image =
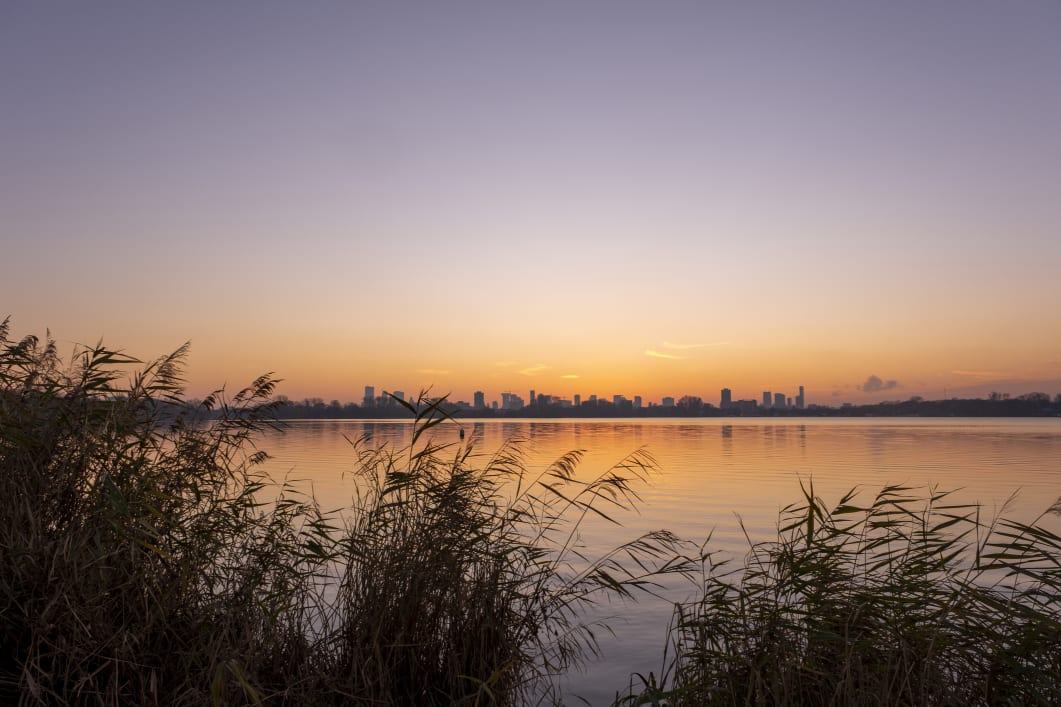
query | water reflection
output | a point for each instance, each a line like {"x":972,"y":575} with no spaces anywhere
{"x":711,"y":469}
{"x":714,"y":471}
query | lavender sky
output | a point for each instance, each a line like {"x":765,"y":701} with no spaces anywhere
{"x":595,"y":198}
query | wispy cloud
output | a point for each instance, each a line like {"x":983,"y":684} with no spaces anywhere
{"x":534,"y":370}
{"x":874,"y":384}
{"x":433,"y":371}
{"x":570,"y":376}
{"x":652,"y":353}
{"x":675,"y":346}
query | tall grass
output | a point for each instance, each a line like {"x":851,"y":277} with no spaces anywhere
{"x":147,"y":560}
{"x":910,"y":599}
{"x":139,"y":566}
{"x":473,"y":572}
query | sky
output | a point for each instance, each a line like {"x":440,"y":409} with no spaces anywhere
{"x":643,"y":198}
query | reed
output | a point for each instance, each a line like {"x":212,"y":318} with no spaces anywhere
{"x":140,"y":566}
{"x":147,"y":559}
{"x":910,"y":599}
{"x":473,"y":572}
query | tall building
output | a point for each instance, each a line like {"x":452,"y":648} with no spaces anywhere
{"x":578,"y":399}
{"x":801,"y":401}
{"x":370,"y":396}
{"x":727,"y":398}
{"x":480,"y":400}
{"x":668,"y":402}
{"x":400,"y":394}
{"x":637,"y":402}
{"x":779,"y":400}
{"x":531,"y":399}
{"x":511,"y":401}
{"x":766,"y":399}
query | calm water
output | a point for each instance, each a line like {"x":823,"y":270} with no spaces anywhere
{"x":713,"y":471}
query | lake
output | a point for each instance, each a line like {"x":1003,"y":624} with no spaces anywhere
{"x":712,"y":472}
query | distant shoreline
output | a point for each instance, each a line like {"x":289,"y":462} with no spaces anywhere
{"x":1032,"y":405}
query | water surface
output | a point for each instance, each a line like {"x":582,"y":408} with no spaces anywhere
{"x":715,"y":475}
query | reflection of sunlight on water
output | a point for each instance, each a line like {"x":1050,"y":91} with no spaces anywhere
{"x":710,"y":472}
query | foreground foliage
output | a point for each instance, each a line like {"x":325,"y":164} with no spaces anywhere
{"x":148,"y":561}
{"x":907,"y":600}
{"x":139,"y":565}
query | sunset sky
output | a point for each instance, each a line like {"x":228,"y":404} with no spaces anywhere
{"x":645,"y":198}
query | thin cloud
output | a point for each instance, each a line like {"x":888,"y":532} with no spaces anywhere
{"x":570,"y":376}
{"x":659,"y":354}
{"x":534,"y":370}
{"x":874,"y":384}
{"x":982,"y":374}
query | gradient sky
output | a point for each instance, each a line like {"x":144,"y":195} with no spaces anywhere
{"x":638,"y":198}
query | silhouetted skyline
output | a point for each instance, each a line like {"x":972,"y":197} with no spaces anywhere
{"x":1036,"y":404}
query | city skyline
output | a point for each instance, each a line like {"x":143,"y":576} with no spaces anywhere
{"x":509,"y":400}
{"x":771,"y":400}
{"x":607,"y":196}
{"x":541,"y":405}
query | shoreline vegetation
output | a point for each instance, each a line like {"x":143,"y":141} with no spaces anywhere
{"x":147,"y":560}
{"x":1027,"y":405}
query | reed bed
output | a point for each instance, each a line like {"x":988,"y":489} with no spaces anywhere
{"x":908,"y":599}
{"x":148,"y":561}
